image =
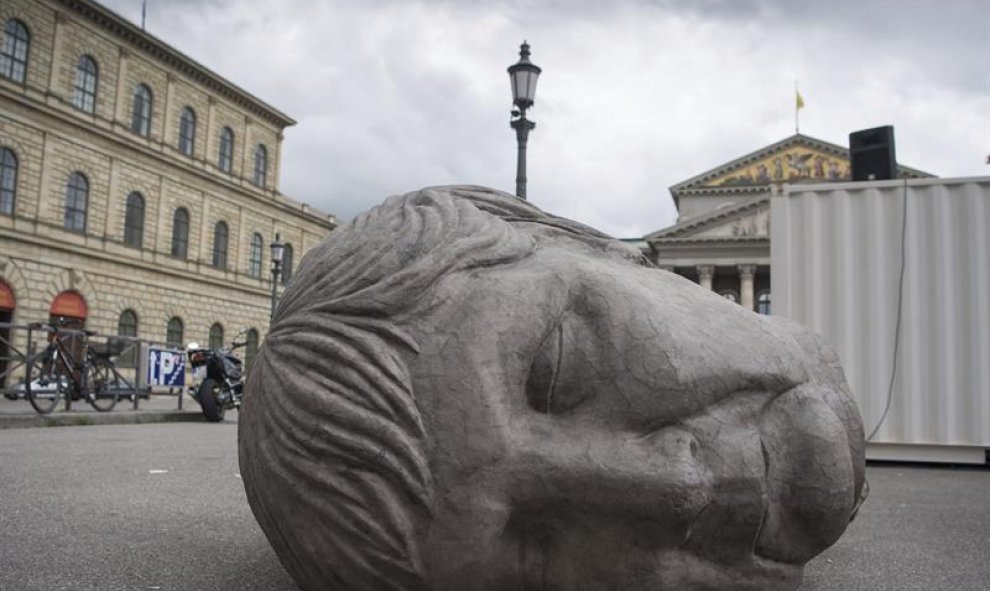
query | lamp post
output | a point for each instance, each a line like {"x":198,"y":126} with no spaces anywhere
{"x":278,"y":249}
{"x":523,"y":75}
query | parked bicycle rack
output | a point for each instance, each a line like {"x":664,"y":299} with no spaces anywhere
{"x":157,"y":368}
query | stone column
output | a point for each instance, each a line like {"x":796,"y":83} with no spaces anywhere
{"x":746,"y":273}
{"x":120,"y":100}
{"x":167,"y":112}
{"x":277,"y":164}
{"x":705,"y":274}
{"x":247,"y":154}
{"x":211,"y":145}
{"x":53,"y":81}
{"x":112,"y":195}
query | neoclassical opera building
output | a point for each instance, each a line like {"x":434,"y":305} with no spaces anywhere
{"x":722,"y":236}
{"x":138,"y":189}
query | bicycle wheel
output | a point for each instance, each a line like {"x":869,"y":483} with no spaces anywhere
{"x":102,"y":391}
{"x":45,"y":383}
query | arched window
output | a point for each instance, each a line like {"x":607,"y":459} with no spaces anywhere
{"x":87,"y":76}
{"x":14,"y":51}
{"x":763,"y":303}
{"x":254,"y":255}
{"x":173,"y":332}
{"x":216,"y":336}
{"x":127,"y":326}
{"x":134,"y":220}
{"x":251,"y":348}
{"x":260,"y":165}
{"x":225,"y":159}
{"x":180,"y":233}
{"x":187,"y":131}
{"x":141,"y":115}
{"x":286,"y":264}
{"x":8,"y":181}
{"x":220,"y":245}
{"x":76,"y":196}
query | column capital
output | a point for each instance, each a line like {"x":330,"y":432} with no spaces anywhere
{"x":706,"y":271}
{"x":747,"y":271}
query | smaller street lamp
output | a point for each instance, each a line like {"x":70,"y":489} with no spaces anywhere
{"x":278,"y":249}
{"x":523,"y":75}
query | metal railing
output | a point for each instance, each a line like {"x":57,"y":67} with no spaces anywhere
{"x":20,"y":342}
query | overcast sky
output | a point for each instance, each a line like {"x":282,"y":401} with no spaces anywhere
{"x":635,"y":96}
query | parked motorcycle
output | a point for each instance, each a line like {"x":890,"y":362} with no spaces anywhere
{"x":222,"y":385}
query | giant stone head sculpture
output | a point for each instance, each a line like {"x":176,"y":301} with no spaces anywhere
{"x":462,"y":392}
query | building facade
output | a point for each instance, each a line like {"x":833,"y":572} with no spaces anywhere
{"x":138,"y":189}
{"x":722,"y":236}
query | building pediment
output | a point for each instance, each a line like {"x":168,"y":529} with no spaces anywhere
{"x":744,"y":220}
{"x":796,"y":159}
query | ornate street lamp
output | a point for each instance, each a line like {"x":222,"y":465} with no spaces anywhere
{"x":278,"y":249}
{"x":523,"y":75}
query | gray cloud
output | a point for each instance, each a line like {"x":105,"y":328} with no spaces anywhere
{"x":635,"y":96}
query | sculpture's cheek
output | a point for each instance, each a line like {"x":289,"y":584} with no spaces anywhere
{"x":811,"y":483}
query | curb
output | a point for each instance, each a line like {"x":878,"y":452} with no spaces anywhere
{"x":72,"y":419}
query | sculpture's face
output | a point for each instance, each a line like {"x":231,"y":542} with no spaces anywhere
{"x":598,"y":425}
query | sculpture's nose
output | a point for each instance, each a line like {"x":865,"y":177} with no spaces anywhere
{"x":812,"y":488}
{"x":717,"y":349}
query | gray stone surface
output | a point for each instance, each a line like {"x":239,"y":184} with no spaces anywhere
{"x":460,"y":391}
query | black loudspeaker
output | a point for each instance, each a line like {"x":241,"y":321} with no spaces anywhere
{"x":871,"y":154}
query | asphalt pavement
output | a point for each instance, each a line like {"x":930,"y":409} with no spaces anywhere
{"x":162,"y":507}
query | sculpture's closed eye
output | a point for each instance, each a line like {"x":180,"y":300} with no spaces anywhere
{"x":561,"y":376}
{"x":543,"y":373}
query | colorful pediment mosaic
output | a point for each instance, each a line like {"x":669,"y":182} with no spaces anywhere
{"x":794,"y":164}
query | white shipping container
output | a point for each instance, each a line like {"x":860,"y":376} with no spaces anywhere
{"x":837,"y":256}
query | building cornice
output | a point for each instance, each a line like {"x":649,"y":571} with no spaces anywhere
{"x":710,"y":218}
{"x":712,"y":240}
{"x":176,"y":60}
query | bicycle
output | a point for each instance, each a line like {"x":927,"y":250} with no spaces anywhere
{"x":55,"y":372}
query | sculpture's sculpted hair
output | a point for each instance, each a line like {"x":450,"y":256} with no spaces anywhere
{"x":334,"y":422}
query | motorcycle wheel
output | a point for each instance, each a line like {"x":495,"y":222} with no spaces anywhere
{"x":209,"y":394}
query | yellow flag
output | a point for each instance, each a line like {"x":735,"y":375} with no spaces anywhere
{"x":799,"y":100}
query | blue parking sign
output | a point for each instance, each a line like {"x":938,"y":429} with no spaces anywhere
{"x":166,"y":367}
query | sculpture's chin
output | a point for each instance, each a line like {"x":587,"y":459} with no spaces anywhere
{"x":811,"y":481}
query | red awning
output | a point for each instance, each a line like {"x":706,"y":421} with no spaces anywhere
{"x":69,"y":304}
{"x":6,"y":297}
